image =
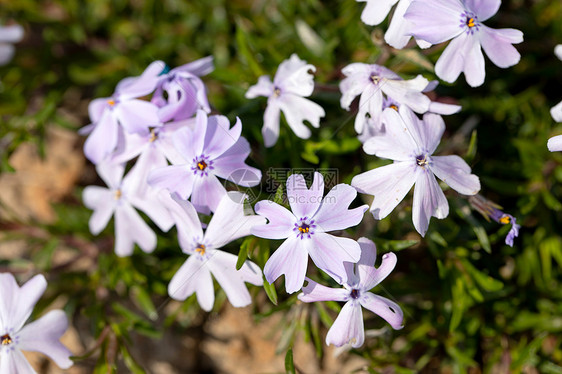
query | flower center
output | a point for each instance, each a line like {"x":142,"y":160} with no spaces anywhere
{"x":505,"y":219}
{"x":276,"y":92}
{"x":111,"y":102}
{"x":6,"y":340}
{"x":375,"y":78}
{"x":117,"y":194}
{"x":422,"y":160}
{"x":469,"y":21}
{"x":153,"y":136}
{"x":304,"y":228}
{"x":202,"y":165}
{"x":354,"y":293}
{"x":201,"y":249}
{"x":394,"y":107}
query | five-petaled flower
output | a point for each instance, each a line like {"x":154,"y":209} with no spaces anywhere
{"x":411,"y":142}
{"x":212,"y":149}
{"x":437,"y":21}
{"x":292,"y":83}
{"x":42,"y":335}
{"x":305,"y":229}
{"x":359,"y":279}
{"x":205,"y":257}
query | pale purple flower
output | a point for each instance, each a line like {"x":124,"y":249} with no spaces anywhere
{"x":381,"y":88}
{"x":185,"y":91}
{"x":360,"y":278}
{"x":493,"y":211}
{"x":122,"y":112}
{"x":8,"y":36}
{"x":411,"y":142}
{"x":212,"y":149}
{"x":158,"y":143}
{"x":120,"y":200}
{"x":205,"y":257}
{"x":292,"y":83}
{"x":437,"y":21}
{"x":397,"y":34}
{"x":41,"y":335}
{"x":305,"y":229}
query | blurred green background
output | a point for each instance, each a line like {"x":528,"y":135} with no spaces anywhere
{"x":471,"y":303}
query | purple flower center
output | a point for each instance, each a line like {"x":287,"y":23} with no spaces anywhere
{"x":354,"y":293}
{"x":469,"y":21}
{"x":202,"y":165}
{"x":304,"y":228}
{"x":422,"y":160}
{"x":6,"y":339}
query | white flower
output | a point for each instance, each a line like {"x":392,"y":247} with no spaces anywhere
{"x":42,"y":335}
{"x":9,"y":35}
{"x":292,"y":83}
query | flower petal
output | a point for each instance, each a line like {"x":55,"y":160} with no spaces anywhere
{"x":474,"y":64}
{"x":15,"y":362}
{"x":142,"y":85}
{"x":184,"y":281}
{"x":297,"y":110}
{"x":555,"y":143}
{"x":271,"y":119}
{"x":389,"y":184}
{"x":397,"y":34}
{"x":435,"y":21}
{"x":207,"y":193}
{"x":348,"y":327}
{"x":11,"y":34}
{"x":280,"y":221}
{"x":454,"y":171}
{"x":452,"y":60}
{"x":329,"y":253}
{"x":16,"y":304}
{"x":316,"y":292}
{"x":556,"y":112}
{"x":408,"y":92}
{"x":102,"y":200}
{"x":136,"y":116}
{"x":103,"y":138}
{"x":376,"y":11}
{"x":264,"y":87}
{"x":223,"y":267}
{"x":334,"y":213}
{"x":370,"y":276}
{"x":498,"y":45}
{"x":219,"y":136}
{"x":429,"y":201}
{"x":384,"y":308}
{"x":291,"y":259}
{"x":484,"y":9}
{"x":229,"y":221}
{"x":305,"y":202}
{"x":293,"y":77}
{"x":130,"y":228}
{"x":175,"y":178}
{"x":43,"y":336}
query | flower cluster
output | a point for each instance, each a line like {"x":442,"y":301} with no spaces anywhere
{"x":180,"y":153}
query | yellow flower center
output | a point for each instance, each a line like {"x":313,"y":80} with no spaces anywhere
{"x":117,"y":195}
{"x":6,"y":340}
{"x":201,"y":249}
{"x":153,"y":136}
{"x":202,"y":165}
{"x":304,"y":228}
{"x":505,"y":219}
{"x":394,"y":107}
{"x":470,"y":22}
{"x":111,"y":102}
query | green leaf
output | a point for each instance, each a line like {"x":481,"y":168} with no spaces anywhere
{"x":243,"y":254}
{"x":289,"y":364}
{"x":394,"y":245}
{"x":130,"y":362}
{"x":142,"y":299}
{"x":270,"y":291}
